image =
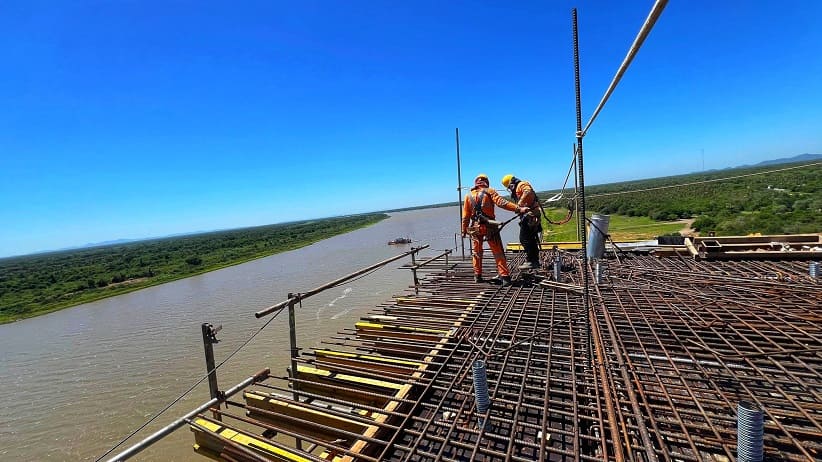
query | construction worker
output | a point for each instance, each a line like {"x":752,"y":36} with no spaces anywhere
{"x":530,"y":223}
{"x":478,"y":209}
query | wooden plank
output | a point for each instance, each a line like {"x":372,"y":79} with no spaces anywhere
{"x":285,"y":407}
{"x":691,"y":248}
{"x":378,"y":363}
{"x":361,"y":445}
{"x":317,"y":378}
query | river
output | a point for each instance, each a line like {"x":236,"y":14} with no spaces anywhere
{"x":75,"y":382}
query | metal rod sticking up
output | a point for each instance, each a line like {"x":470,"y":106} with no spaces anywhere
{"x":459,"y":192}
{"x":581,"y":185}
{"x":159,"y":434}
{"x":656,"y":11}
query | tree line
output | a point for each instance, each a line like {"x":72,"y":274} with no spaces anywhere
{"x":35,"y":284}
{"x":776,"y":202}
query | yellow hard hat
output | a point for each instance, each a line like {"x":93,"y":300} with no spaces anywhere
{"x":506,"y":180}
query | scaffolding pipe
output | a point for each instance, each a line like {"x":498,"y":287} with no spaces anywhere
{"x":581,"y":199}
{"x":302,"y":296}
{"x":168,"y":429}
{"x":459,"y":192}
{"x":656,"y":12}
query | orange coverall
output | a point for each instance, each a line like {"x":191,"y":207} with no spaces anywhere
{"x":488,"y":199}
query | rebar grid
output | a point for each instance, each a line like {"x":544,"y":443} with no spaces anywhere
{"x":676,"y":344}
{"x":696,"y":339}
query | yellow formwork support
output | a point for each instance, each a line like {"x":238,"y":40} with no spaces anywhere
{"x":204,"y":440}
{"x":285,"y":408}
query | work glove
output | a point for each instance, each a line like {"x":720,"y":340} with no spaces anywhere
{"x":523,"y":210}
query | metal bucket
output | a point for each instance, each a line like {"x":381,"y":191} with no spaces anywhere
{"x":749,"y":432}
{"x":598,"y":232}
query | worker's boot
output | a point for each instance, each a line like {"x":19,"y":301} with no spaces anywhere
{"x":478,"y":278}
{"x":506,"y":281}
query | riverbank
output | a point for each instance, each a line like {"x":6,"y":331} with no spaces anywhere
{"x":38,"y":284}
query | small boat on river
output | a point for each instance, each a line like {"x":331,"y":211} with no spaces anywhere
{"x":400,"y":240}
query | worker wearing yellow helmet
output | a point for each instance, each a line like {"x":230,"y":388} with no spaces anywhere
{"x":478,"y":221}
{"x":530,"y":223}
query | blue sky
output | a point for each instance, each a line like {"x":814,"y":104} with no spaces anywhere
{"x":132,"y":119}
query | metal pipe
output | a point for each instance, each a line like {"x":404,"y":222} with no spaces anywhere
{"x":599,"y":233}
{"x":459,"y":192}
{"x":292,"y":339}
{"x":168,"y":429}
{"x":434,"y":258}
{"x":209,"y":339}
{"x":656,"y":12}
{"x":304,"y":295}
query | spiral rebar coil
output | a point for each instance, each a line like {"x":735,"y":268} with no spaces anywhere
{"x":749,"y":432}
{"x":481,"y":390}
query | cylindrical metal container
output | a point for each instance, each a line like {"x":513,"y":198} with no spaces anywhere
{"x":813,"y":269}
{"x":598,"y":232}
{"x":749,"y":432}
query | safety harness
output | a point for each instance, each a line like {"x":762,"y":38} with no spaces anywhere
{"x":479,"y":216}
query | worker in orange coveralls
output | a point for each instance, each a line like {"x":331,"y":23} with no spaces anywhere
{"x":478,"y":209}
{"x":530,"y":223}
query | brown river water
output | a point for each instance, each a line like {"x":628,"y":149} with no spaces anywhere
{"x":75,"y":382}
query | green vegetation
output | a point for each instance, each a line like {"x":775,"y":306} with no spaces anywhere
{"x":36,"y":284}
{"x":777,"y":202}
{"x":782,"y":202}
{"x":621,"y":228}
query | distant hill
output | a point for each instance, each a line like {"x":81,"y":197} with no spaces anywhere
{"x":790,"y":160}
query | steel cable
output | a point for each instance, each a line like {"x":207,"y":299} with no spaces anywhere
{"x":176,"y":400}
{"x":656,"y":11}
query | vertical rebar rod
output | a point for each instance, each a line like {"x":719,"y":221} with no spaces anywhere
{"x":581,"y":186}
{"x":292,"y":337}
{"x":576,"y":194}
{"x":459,"y":192}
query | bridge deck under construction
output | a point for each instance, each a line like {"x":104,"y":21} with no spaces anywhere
{"x":654,"y":372}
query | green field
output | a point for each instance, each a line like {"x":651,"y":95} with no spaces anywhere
{"x":36,"y":284}
{"x":621,"y":228}
{"x":773,"y":199}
